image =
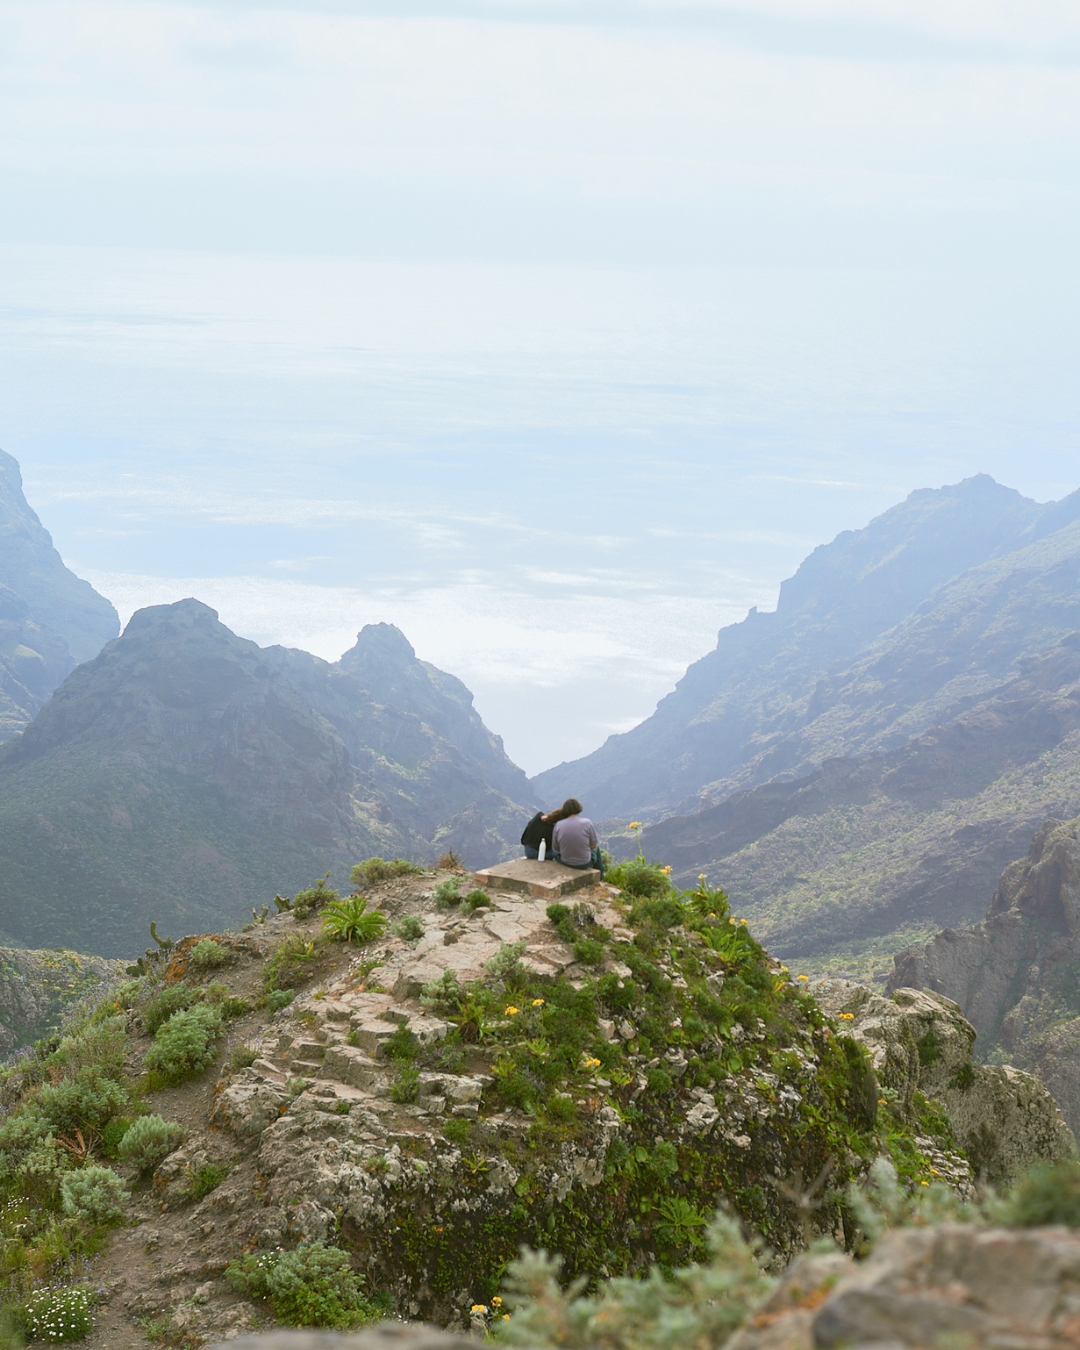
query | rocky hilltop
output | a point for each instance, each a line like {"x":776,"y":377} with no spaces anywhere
{"x":50,"y":619}
{"x":1017,"y":973}
{"x":185,"y":774}
{"x":37,"y":986}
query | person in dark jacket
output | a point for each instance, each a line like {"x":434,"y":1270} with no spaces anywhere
{"x":539,"y":828}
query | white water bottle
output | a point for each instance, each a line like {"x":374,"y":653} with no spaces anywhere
{"x":541,"y":852}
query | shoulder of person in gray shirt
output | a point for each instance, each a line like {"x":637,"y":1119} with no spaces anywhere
{"x":575,"y":838}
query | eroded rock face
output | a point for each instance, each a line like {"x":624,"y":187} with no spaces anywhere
{"x":1004,"y":1119}
{"x":36,"y":986}
{"x":1016,"y":975}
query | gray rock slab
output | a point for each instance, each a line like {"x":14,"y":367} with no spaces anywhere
{"x":546,"y":880}
{"x":391,"y":1336}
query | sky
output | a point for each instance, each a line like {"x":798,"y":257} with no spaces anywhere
{"x":555,"y":333}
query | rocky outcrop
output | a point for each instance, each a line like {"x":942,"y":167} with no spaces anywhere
{"x":186,"y":774}
{"x":50,"y":619}
{"x":36,"y":987}
{"x":920,"y":1043}
{"x":1016,"y":975}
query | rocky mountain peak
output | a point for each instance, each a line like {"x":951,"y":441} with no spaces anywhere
{"x":49,"y":618}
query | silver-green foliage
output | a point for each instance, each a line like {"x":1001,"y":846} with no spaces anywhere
{"x":95,"y":1194}
{"x":208,"y":954}
{"x":185,"y":1044}
{"x":148,"y":1140}
{"x":696,"y":1305}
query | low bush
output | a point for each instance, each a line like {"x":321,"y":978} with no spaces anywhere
{"x":351,"y":921}
{"x":306,"y":903}
{"x":448,"y":893}
{"x":87,"y":1101}
{"x":58,"y":1314}
{"x":1047,"y":1194}
{"x":410,"y":927}
{"x":695,"y":1305}
{"x":209,"y":954}
{"x":477,"y":898}
{"x":289,"y":962}
{"x":207,"y":1178}
{"x":94,"y":1194}
{"x":160,"y":1006}
{"x":639,"y":877}
{"x":242,"y":1056}
{"x":186,"y":1044}
{"x":277,"y":999}
{"x":374,"y":870}
{"x":148,"y":1140}
{"x":312,"y":1286}
{"x":406,"y":1084}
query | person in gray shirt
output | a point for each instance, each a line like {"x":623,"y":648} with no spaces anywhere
{"x":575,"y":840}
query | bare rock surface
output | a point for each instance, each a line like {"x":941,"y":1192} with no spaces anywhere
{"x":1016,"y":975}
{"x":1006,"y":1120}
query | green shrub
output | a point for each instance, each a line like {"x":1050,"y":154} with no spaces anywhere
{"x":374,"y":870}
{"x":306,"y":903}
{"x":443,"y":995}
{"x":60,"y":1314}
{"x":206,"y":1179}
{"x":312,"y":1286}
{"x":242,"y":1056}
{"x":697,"y":1305}
{"x":640,"y":878}
{"x":98,"y":1044}
{"x":448,"y":893}
{"x":662,"y":910}
{"x":406,"y":1084}
{"x":458,"y":1132}
{"x":186,"y":1044}
{"x":288,"y":964}
{"x":476,"y":899}
{"x":209,"y":954}
{"x":351,"y":921}
{"x":161,"y":1006}
{"x":88,"y":1101}
{"x":148,"y":1140}
{"x":410,"y":927}
{"x":93,"y":1194}
{"x":277,"y":999}
{"x":1047,"y":1194}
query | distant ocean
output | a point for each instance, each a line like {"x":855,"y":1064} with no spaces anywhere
{"x":558,"y":481}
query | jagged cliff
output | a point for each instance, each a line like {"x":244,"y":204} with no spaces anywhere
{"x":186,"y":773}
{"x":1016,"y":974}
{"x":50,"y":619}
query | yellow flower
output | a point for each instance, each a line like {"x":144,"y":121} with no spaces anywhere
{"x":538,"y":1002}
{"x":935,"y":1171}
{"x":635,"y":825}
{"x":924,"y":1183}
{"x":882,"y":1102}
{"x":783,"y":970}
{"x":511,"y":1011}
{"x":592,"y":1063}
{"x":744,"y":920}
{"x":667,"y":869}
{"x":506,"y":1317}
{"x":496,"y":1301}
{"x":802,"y":977}
{"x":478,"y":1308}
{"x":847,"y":1017}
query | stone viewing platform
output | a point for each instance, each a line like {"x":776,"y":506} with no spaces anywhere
{"x":546,"y":880}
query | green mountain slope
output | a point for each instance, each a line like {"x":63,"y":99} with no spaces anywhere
{"x":848,"y":662}
{"x":186,"y":775}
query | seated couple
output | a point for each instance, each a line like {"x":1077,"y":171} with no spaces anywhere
{"x":568,"y":837}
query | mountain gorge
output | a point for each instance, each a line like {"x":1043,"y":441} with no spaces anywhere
{"x":50,"y":619}
{"x":858,"y":767}
{"x":186,"y":774}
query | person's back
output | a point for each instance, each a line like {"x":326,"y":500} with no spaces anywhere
{"x":574,"y":839}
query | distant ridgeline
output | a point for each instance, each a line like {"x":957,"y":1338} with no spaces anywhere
{"x":186,"y":774}
{"x":49,"y":619}
{"x":859,"y":766}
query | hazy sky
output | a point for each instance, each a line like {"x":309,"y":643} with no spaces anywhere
{"x":555,"y":333}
